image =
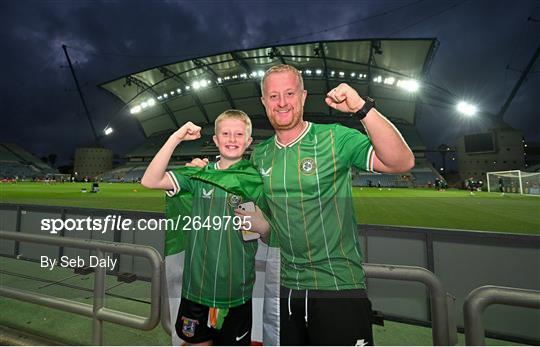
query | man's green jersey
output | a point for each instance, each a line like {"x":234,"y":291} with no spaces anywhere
{"x":219,"y":268}
{"x":309,"y":188}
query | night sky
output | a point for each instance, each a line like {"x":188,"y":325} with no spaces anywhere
{"x":484,"y":46}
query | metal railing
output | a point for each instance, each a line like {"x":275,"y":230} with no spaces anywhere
{"x":480,"y":298}
{"x":439,"y":310}
{"x":97,"y":311}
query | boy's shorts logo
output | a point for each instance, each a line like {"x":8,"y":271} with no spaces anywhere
{"x":188,"y":326}
{"x":234,"y":200}
{"x":307,"y":166}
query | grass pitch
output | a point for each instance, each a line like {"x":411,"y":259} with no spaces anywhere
{"x":454,"y":209}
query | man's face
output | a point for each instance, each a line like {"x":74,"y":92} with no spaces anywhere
{"x":283,"y":99}
{"x":231,"y":139}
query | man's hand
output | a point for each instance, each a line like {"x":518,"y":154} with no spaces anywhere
{"x":198,"y":162}
{"x":344,"y":98}
{"x":187,"y":132}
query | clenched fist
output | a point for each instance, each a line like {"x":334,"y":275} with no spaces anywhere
{"x":187,"y":132}
{"x":344,"y":98}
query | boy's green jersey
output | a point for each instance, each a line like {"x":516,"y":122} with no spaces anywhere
{"x":219,"y":267}
{"x":309,"y":189}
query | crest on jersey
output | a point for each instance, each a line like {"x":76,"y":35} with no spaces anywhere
{"x":207,"y":194}
{"x":266,"y":173}
{"x":188,"y":326}
{"x":307,"y":166}
{"x":234,"y":200}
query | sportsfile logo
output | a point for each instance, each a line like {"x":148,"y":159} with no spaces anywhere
{"x":110,"y":222}
{"x":113,"y":222}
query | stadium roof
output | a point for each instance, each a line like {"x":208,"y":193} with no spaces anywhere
{"x":199,"y":89}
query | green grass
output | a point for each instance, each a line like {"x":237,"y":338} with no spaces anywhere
{"x":454,"y":209}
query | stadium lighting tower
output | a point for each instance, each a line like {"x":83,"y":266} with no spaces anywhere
{"x":466,"y":108}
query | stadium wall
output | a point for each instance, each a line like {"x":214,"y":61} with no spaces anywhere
{"x":462,"y":260}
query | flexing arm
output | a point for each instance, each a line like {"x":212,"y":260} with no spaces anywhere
{"x":154,"y":176}
{"x":391,"y":152}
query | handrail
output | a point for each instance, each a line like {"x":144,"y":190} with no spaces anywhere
{"x":439,"y":310}
{"x":97,"y":311}
{"x":481,"y":297}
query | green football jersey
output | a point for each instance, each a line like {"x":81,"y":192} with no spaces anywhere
{"x":219,"y":267}
{"x":309,"y":191}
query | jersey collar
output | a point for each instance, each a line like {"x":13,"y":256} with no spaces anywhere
{"x":295,"y":141}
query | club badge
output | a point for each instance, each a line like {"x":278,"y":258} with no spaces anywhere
{"x":188,"y":326}
{"x":234,"y":200}
{"x":307,"y":166}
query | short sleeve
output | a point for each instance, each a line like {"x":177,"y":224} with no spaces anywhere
{"x":354,"y":148}
{"x":179,"y":182}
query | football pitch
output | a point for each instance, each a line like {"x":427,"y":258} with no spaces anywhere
{"x":453,"y":209}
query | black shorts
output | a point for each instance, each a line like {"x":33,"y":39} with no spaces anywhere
{"x":326,"y":318}
{"x":191,"y":324}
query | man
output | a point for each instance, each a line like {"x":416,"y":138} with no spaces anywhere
{"x":306,"y":170}
{"x":219,"y":269}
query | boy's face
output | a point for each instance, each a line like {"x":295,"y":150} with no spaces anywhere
{"x":231,"y":139}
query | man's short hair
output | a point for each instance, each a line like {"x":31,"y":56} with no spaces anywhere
{"x":282,"y":68}
{"x":234,"y":114}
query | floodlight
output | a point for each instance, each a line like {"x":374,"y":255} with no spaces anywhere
{"x":260,"y":73}
{"x":341,"y":74}
{"x":408,"y":85}
{"x":389,"y":80}
{"x":196,"y":85}
{"x":179,"y":90}
{"x":188,"y":87}
{"x":159,"y":97}
{"x":108,"y":130}
{"x":135,"y":109}
{"x":466,"y":108}
{"x":308,"y":72}
{"x":318,"y":71}
{"x":243,"y":75}
{"x":332,"y":73}
{"x":203,"y":83}
{"x":377,"y":79}
{"x":219,"y":80}
{"x":172,"y":92}
{"x":353,"y":74}
{"x":144,"y":104}
{"x":151,"y":102}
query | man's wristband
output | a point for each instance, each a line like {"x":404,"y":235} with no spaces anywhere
{"x":368,"y":105}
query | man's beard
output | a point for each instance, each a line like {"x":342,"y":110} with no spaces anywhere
{"x":295,"y":120}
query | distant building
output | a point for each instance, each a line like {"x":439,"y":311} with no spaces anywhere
{"x":91,"y":162}
{"x":496,"y":150}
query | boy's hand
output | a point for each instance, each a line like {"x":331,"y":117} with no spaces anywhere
{"x":198,"y":162}
{"x":259,"y":224}
{"x":187,"y":132}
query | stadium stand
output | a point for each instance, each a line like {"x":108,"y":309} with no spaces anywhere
{"x":16,"y":162}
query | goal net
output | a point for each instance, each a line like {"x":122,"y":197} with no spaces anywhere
{"x":514,"y":181}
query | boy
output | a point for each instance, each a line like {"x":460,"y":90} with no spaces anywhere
{"x":219,"y":268}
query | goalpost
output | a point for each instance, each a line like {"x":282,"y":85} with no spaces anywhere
{"x":514,"y":181}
